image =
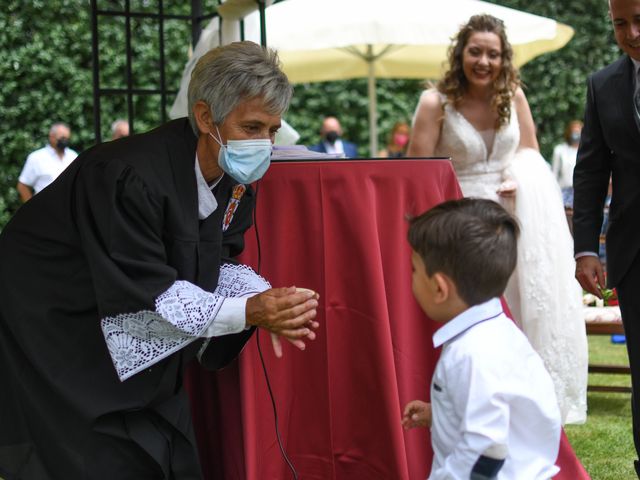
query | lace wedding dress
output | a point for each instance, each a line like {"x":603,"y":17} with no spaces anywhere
{"x":543,"y":295}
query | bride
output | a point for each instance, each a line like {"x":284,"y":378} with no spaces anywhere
{"x":479,"y":116}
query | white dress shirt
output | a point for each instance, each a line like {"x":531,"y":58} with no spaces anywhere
{"x":335,"y":147}
{"x":563,"y":162}
{"x":636,"y":87}
{"x":43,"y":166}
{"x":491,"y":392}
{"x":231,"y":316}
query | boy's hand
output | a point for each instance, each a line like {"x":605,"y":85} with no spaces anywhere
{"x":416,"y":414}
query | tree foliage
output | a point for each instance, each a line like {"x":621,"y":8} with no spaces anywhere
{"x":555,"y":83}
{"x":46,"y":76}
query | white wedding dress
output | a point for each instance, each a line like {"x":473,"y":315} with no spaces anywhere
{"x":543,"y":295}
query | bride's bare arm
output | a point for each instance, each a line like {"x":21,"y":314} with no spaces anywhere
{"x":426,"y":126}
{"x":525,"y":119}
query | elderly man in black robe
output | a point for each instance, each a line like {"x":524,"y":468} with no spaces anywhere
{"x":120,"y":272}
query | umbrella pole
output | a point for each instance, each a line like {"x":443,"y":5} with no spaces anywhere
{"x":373,"y":105}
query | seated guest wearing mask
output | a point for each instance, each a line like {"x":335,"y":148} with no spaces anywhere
{"x":398,"y":141}
{"x":332,"y":142}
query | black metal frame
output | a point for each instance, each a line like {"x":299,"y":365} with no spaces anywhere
{"x":196,"y":18}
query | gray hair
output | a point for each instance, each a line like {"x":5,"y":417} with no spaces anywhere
{"x":54,"y":128}
{"x":117,"y":123}
{"x":230,"y":74}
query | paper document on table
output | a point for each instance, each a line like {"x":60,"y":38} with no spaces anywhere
{"x":300,"y":152}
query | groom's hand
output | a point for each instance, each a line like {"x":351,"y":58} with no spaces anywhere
{"x":590,"y":274}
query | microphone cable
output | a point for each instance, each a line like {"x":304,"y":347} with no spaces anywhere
{"x":264,"y":367}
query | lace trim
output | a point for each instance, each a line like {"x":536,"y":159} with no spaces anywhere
{"x":138,"y":340}
{"x":469,"y":154}
{"x":240,"y":281}
{"x":237,"y":281}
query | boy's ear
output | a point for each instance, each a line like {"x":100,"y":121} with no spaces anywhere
{"x":443,"y":287}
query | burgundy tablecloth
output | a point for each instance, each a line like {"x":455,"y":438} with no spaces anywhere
{"x":337,"y":227}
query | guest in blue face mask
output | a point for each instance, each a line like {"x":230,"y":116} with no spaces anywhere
{"x":121,"y":272}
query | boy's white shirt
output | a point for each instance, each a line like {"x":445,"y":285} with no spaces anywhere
{"x":490,"y":388}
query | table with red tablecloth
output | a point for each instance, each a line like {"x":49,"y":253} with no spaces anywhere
{"x":339,"y":228}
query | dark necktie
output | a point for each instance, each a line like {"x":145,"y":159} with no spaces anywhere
{"x":636,"y":97}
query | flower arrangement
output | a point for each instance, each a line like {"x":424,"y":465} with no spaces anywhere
{"x":609,"y":298}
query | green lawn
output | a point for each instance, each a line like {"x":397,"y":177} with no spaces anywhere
{"x":604,"y":444}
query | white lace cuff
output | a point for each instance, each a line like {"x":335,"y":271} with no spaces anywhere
{"x":240,"y":281}
{"x":237,"y":283}
{"x":138,"y":340}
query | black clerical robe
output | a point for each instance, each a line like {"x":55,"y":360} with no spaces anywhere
{"x":113,"y":232}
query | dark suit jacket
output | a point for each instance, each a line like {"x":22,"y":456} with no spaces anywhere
{"x":610,"y":145}
{"x":350,"y":149}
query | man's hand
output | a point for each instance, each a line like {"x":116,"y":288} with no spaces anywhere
{"x":590,"y":275}
{"x":285,"y":312}
{"x":416,"y":414}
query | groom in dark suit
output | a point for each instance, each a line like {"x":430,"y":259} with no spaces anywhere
{"x":610,"y":147}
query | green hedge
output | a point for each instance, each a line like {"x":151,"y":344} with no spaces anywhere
{"x":45,"y":76}
{"x":556,"y":82}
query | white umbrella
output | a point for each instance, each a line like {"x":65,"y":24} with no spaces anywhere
{"x":321,"y":40}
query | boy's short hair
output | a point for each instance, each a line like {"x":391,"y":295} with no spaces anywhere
{"x":473,"y":241}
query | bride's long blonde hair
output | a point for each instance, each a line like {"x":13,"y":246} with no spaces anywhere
{"x":454,"y":84}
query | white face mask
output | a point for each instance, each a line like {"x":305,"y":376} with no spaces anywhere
{"x":244,"y":160}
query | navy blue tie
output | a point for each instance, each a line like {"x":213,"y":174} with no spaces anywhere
{"x":636,"y":97}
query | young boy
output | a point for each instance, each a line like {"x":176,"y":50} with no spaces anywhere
{"x":493,"y":410}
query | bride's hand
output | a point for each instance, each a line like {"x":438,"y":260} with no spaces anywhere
{"x":507,"y":189}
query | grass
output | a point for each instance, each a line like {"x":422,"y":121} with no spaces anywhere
{"x":604,"y":444}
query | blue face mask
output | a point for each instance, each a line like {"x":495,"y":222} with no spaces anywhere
{"x":574,"y":137}
{"x":244,"y":160}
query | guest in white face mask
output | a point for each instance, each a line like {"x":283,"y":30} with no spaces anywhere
{"x":564,"y":161}
{"x":121,"y":272}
